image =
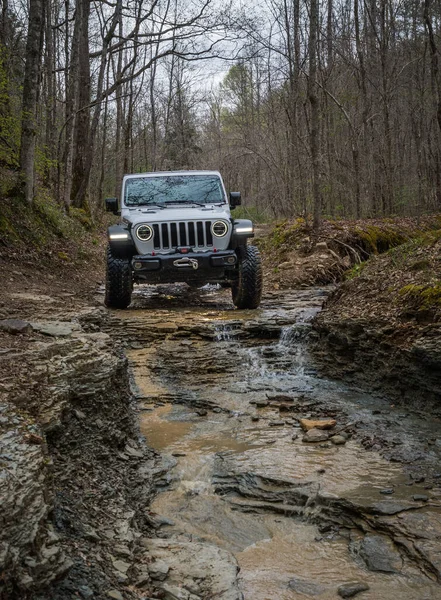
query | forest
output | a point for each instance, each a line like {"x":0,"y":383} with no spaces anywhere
{"x":310,"y":108}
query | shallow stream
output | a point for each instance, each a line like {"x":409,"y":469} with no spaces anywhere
{"x":220,"y":393}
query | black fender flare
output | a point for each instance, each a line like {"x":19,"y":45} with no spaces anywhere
{"x":120,"y":241}
{"x":242,"y":230}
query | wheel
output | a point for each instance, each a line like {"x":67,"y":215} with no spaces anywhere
{"x":247,"y":289}
{"x":119,"y":281}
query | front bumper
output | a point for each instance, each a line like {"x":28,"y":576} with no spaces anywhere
{"x":182,"y":267}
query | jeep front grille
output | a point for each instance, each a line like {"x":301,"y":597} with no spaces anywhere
{"x":196,"y":234}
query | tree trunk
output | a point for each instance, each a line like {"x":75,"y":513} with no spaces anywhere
{"x":81,"y":137}
{"x":31,"y":86}
{"x":314,"y":131}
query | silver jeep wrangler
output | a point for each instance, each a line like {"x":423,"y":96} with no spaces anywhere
{"x":177,"y":227}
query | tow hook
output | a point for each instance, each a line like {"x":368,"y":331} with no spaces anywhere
{"x":186,"y":262}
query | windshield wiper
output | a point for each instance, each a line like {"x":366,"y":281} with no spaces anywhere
{"x":147,"y":204}
{"x":184,"y":202}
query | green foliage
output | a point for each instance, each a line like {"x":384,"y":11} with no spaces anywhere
{"x":43,"y":164}
{"x":81,"y":215}
{"x":356,"y":271}
{"x":38,"y":225}
{"x":10,"y":126}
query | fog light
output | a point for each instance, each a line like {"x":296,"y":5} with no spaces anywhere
{"x":137,"y":265}
{"x":231,"y":260}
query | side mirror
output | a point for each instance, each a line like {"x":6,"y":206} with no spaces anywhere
{"x":235,"y":199}
{"x":112,"y":205}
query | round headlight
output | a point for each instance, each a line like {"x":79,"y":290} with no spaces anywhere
{"x":219,"y":228}
{"x":144,"y":233}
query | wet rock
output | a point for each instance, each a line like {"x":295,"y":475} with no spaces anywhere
{"x":420,"y":498}
{"x":387,"y":491}
{"x":338,"y":440}
{"x":315,"y":435}
{"x":15,"y":326}
{"x":417,"y":478}
{"x":206,"y":570}
{"x":308,"y":588}
{"x":308,"y":424}
{"x":349,"y":590}
{"x":378,"y":553}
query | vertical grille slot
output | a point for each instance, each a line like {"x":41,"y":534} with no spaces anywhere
{"x":208,"y":234}
{"x":156,"y":240}
{"x":191,"y":236}
{"x":182,"y":234}
{"x":165,"y":236}
{"x":200,"y":233}
{"x":174,"y":235}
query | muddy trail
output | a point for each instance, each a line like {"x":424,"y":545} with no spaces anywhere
{"x":248,"y":504}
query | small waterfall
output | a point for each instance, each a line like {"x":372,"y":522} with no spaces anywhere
{"x":293,"y":340}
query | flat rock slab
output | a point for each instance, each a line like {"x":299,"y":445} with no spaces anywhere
{"x":208,"y":571}
{"x":15,"y":326}
{"x":307,"y":424}
{"x":56,"y":328}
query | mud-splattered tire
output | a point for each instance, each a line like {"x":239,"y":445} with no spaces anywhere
{"x":119,"y":281}
{"x":247,"y":290}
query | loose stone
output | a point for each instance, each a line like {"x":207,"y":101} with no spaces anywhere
{"x":349,"y":590}
{"x":276,"y":423}
{"x":15,"y":326}
{"x":420,"y":498}
{"x":338,"y":440}
{"x":387,"y":491}
{"x":315,"y":435}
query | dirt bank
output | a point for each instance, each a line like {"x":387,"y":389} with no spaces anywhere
{"x":384,"y":323}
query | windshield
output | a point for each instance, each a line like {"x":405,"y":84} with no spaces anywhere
{"x":169,"y":189}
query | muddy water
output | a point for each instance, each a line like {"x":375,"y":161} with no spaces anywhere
{"x":220,"y":391}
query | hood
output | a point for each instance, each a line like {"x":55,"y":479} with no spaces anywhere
{"x":178,"y":213}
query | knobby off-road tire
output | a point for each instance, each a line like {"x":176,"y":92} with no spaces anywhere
{"x":247,"y":290}
{"x":119,"y":282}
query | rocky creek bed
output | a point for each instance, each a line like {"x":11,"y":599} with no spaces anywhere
{"x":158,"y":453}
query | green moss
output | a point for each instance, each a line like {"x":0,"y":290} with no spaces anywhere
{"x":422,"y":296}
{"x":377,"y":240}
